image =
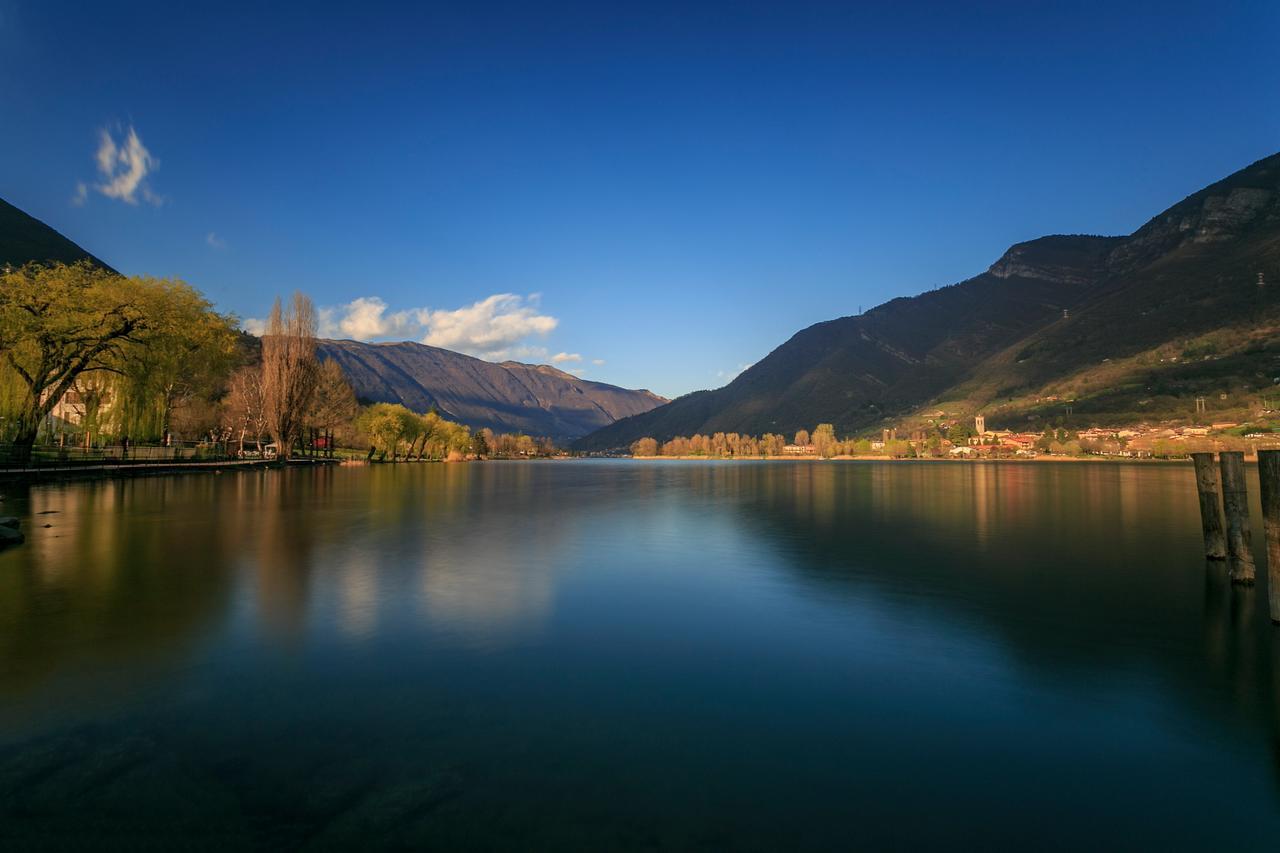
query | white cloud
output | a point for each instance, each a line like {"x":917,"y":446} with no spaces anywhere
{"x":215,"y":241}
{"x":366,"y":319}
{"x":253,"y":325}
{"x":489,"y":328}
{"x":82,"y":193}
{"x":598,"y":362}
{"x":499,"y":327}
{"x":124,"y":167}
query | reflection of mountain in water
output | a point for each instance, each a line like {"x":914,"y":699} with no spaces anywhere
{"x":484,"y":655}
{"x":1083,"y":572}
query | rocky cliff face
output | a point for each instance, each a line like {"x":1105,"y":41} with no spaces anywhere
{"x":1065,"y":259}
{"x":1227,"y":210}
{"x":508,"y":397}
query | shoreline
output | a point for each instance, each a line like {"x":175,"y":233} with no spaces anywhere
{"x":1027,"y":460}
{"x":69,"y":473}
{"x":55,"y":473}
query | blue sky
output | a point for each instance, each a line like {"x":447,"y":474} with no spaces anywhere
{"x":666,"y":191}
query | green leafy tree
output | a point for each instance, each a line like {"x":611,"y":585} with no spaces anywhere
{"x":388,"y":425}
{"x":189,"y":352}
{"x":62,"y":324}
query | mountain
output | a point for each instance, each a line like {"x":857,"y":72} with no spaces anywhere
{"x":508,"y":397}
{"x":24,"y":238}
{"x":1121,"y":328}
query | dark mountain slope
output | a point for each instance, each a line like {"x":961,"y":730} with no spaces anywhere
{"x":507,"y":397}
{"x":855,"y":370}
{"x":1184,"y":286}
{"x":24,"y":238}
{"x":1001,"y":338}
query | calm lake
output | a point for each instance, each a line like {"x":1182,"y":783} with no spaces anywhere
{"x":633,"y":655}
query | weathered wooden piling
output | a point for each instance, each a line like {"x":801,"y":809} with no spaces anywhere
{"x":1210,"y":491}
{"x":1235,"y":503}
{"x":1269,"y":474}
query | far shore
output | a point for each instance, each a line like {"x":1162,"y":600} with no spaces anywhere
{"x":874,"y":458}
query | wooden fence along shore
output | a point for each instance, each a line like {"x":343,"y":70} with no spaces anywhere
{"x":1223,"y":491}
{"x":52,"y":462}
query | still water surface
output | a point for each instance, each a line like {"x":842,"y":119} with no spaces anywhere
{"x":633,"y":655}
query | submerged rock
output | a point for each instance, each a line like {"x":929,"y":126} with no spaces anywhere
{"x":10,"y":534}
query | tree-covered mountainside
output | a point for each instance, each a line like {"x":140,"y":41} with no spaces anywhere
{"x":24,"y":238}
{"x":1103,"y":328}
{"x":508,"y":397}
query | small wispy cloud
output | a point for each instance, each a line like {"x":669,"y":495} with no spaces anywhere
{"x":215,"y":241}
{"x":733,"y":374}
{"x":124,"y":165}
{"x":598,"y":362}
{"x":563,"y":357}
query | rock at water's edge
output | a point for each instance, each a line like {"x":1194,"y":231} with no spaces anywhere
{"x":9,"y":532}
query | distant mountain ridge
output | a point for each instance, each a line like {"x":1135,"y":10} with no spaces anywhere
{"x":1105,"y":322}
{"x":23,"y":238}
{"x":505,"y":397}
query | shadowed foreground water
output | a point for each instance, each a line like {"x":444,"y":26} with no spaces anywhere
{"x":599,"y":655}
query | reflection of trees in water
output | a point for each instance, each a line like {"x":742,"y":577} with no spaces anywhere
{"x":473,"y":548}
{"x":280,"y":534}
{"x":490,"y":542}
{"x":122,"y":578}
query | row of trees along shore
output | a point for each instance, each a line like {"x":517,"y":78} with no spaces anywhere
{"x":821,"y":442}
{"x":100,"y":358}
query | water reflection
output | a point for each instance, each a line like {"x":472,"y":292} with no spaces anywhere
{"x":99,"y":587}
{"x":605,"y":654}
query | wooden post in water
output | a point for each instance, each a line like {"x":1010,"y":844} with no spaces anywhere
{"x":1210,"y":491}
{"x":1235,"y":501}
{"x":1269,"y":474}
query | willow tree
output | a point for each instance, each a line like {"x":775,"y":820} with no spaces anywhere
{"x":289,"y":370}
{"x":389,"y":425}
{"x":126,"y":343}
{"x":57,"y":323}
{"x":189,"y":353}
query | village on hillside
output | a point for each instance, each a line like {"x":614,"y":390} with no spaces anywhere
{"x":954,"y":438}
{"x":1140,"y":441}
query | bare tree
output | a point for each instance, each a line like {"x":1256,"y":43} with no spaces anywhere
{"x":334,"y":404}
{"x":289,"y":370}
{"x":245,"y":407}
